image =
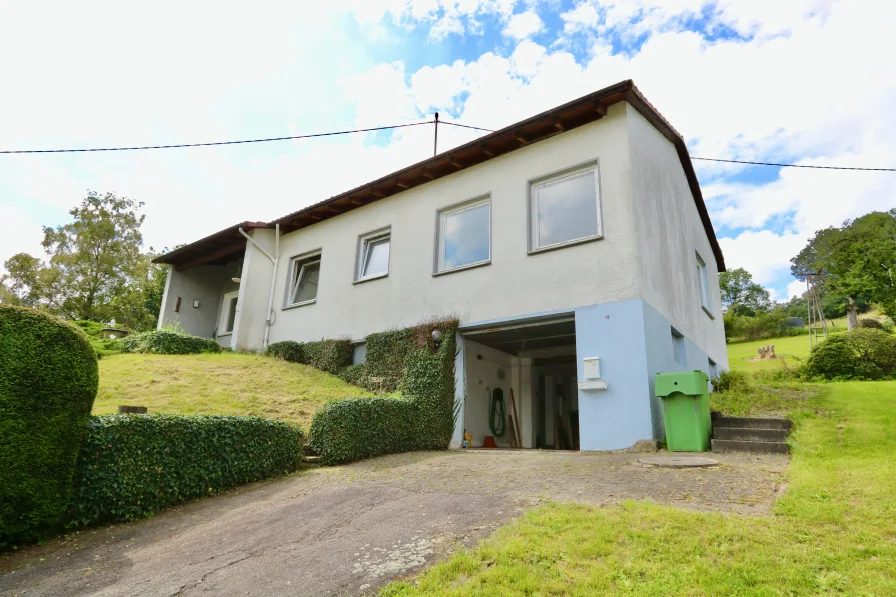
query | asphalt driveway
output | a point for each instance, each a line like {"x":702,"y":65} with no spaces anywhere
{"x":348,"y":530}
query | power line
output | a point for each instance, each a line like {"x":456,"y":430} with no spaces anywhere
{"x":467,"y":126}
{"x":794,"y":165}
{"x":378,"y":128}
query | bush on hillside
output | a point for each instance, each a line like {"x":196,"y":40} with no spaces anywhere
{"x":131,"y":466}
{"x":327,"y":355}
{"x":48,"y":382}
{"x":762,"y":326}
{"x":168,"y":342}
{"x":867,"y":322}
{"x":93,"y":329}
{"x":860,"y":354}
{"x":422,"y":419}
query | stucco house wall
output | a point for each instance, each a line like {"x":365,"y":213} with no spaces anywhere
{"x":206,"y":284}
{"x":514,"y":283}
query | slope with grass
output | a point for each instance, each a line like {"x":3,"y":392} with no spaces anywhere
{"x":220,"y":384}
{"x":832,"y":533}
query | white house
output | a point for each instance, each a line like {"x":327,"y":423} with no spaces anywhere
{"x":574,"y":248}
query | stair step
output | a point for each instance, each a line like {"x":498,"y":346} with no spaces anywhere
{"x":753,"y":422}
{"x":311,"y":459}
{"x":750,"y":434}
{"x":734,"y":445}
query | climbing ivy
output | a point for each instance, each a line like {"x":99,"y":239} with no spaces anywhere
{"x":421,"y":419}
{"x":327,"y":355}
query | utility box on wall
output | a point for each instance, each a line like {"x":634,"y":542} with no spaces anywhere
{"x":591,"y":368}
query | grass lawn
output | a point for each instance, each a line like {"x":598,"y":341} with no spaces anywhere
{"x":789,"y":351}
{"x":832,"y":533}
{"x":220,"y":384}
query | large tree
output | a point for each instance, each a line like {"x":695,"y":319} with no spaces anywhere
{"x":856,"y":260}
{"x":95,"y":271}
{"x":741,"y":295}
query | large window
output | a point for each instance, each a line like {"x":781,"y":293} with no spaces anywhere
{"x":303,"y":278}
{"x":464,"y":235}
{"x":228,"y":313}
{"x":564,"y":208}
{"x":373,"y":255}
{"x":703,"y":281}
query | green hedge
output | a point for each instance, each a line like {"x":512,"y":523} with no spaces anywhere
{"x":863,"y":353}
{"x":327,"y":355}
{"x":166,"y":342}
{"x":48,"y":381}
{"x":422,"y":419}
{"x":132,"y":465}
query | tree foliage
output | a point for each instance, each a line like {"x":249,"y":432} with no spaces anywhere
{"x":741,"y":295}
{"x":856,"y":260}
{"x":95,"y":268}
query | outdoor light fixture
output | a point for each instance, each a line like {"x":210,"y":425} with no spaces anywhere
{"x":237,"y":280}
{"x":436,"y":337}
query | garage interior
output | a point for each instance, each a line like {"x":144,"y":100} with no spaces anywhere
{"x":531,"y":365}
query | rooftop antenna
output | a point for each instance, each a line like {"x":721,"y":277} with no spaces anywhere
{"x":435,"y":143}
{"x":816,"y":314}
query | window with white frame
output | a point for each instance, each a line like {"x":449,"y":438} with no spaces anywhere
{"x":303,"y":278}
{"x":703,"y":281}
{"x":373,"y":255}
{"x":564,"y":208}
{"x":228,"y":313}
{"x":464,"y":235}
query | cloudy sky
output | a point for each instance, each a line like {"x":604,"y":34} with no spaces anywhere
{"x":804,"y":81}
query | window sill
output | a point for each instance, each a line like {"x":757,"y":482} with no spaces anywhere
{"x":708,"y":312}
{"x":462,"y":268}
{"x":579,"y":241}
{"x":225,"y":335}
{"x":302,"y":304}
{"x":370,"y":278}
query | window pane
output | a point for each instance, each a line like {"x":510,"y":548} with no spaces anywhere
{"x":231,"y":316}
{"x":566,"y":210}
{"x":307,"y":289}
{"x":466,"y":237}
{"x":376,"y":258}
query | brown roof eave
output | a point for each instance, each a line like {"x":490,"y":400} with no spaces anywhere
{"x":181,"y":255}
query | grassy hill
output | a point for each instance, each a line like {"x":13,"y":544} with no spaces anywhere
{"x":220,"y":384}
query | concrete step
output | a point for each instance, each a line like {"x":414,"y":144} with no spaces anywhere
{"x":734,"y":445}
{"x":311,"y":459}
{"x":752,"y":422}
{"x":750,"y":434}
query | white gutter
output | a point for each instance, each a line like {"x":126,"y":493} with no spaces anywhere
{"x":275,"y":261}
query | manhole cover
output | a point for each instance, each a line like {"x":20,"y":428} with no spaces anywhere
{"x":678,"y":461}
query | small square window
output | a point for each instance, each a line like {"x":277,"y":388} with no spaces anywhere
{"x":303,"y":279}
{"x":679,"y":350}
{"x":564,"y":208}
{"x":703,"y":281}
{"x":373,"y":255}
{"x":464,"y":235}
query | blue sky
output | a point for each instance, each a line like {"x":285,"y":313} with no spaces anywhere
{"x":807,"y":81}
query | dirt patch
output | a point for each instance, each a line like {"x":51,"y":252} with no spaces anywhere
{"x":348,"y":530}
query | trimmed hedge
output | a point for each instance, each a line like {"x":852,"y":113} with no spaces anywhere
{"x":130,"y":466}
{"x":422,"y":419}
{"x":48,"y":382}
{"x":165,"y":342}
{"x":864,"y":353}
{"x":327,"y":355}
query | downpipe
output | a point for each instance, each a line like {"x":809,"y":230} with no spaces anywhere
{"x":275,"y":261}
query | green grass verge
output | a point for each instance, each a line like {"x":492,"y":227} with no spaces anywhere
{"x":218,"y":384}
{"x":833,"y":532}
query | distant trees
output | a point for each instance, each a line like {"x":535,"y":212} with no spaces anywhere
{"x":856,"y":261}
{"x":95,"y":269}
{"x":741,"y":295}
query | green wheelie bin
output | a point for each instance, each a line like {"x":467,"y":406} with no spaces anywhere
{"x":686,"y":416}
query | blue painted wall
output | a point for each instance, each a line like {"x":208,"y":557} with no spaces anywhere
{"x":619,"y":416}
{"x":661,"y":357}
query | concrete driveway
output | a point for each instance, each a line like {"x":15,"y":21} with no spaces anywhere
{"x":348,"y":530}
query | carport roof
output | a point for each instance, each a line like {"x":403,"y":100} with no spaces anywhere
{"x":576,"y":113}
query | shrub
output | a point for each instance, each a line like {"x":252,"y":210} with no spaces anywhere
{"x":132,"y":465}
{"x":762,"y":326}
{"x":422,"y":419}
{"x":859,"y":354}
{"x":327,"y":355}
{"x":48,"y":381}
{"x":867,"y":322}
{"x":167,"y":342}
{"x":93,"y":329}
{"x":727,"y":381}
{"x":286,"y":350}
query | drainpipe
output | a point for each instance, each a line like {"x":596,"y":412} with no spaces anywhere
{"x":275,"y":261}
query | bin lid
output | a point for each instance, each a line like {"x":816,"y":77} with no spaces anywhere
{"x":691,"y":383}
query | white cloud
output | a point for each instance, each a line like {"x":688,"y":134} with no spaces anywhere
{"x":583,"y":16}
{"x":763,"y":253}
{"x":795,"y":288}
{"x":523,"y":25}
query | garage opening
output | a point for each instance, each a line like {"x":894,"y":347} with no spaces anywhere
{"x":521,"y":384}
